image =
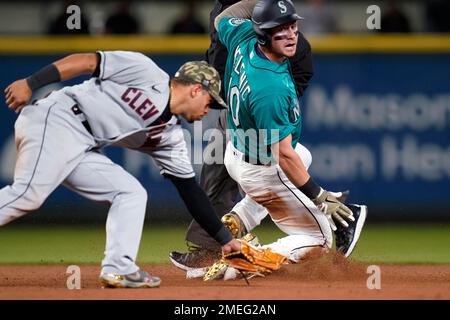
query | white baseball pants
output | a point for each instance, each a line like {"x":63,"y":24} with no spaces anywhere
{"x":269,"y":190}
{"x":53,"y":148}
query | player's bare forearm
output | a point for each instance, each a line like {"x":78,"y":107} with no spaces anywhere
{"x":292,"y":165}
{"x":76,"y":65}
{"x":241,"y":10}
{"x":290,"y":162}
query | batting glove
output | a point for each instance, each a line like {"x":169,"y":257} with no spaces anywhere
{"x":333,"y":209}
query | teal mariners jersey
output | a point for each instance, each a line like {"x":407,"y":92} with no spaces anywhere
{"x":261,"y":96}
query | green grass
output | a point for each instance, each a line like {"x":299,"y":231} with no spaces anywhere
{"x":426,"y":244}
{"x":85,"y":244}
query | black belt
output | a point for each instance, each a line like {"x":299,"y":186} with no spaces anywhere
{"x":77,"y":111}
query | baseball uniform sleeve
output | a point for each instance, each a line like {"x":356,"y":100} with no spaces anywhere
{"x":130,"y":68}
{"x":232,"y":31}
{"x":271,"y":113}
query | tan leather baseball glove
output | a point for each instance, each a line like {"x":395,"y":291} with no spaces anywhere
{"x":250,"y":259}
{"x":254,"y":259}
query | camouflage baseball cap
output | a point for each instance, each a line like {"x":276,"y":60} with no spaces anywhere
{"x":203,"y":73}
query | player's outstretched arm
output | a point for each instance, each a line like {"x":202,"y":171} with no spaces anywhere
{"x":290,"y":162}
{"x":76,"y":65}
{"x":18,"y":93}
{"x":202,"y":211}
{"x":293,"y":167}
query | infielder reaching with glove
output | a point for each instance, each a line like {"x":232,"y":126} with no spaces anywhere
{"x":264,"y":155}
{"x":128,"y":102}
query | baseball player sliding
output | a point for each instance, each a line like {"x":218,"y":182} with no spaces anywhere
{"x":221,"y":189}
{"x":128,"y":102}
{"x":264,"y":154}
{"x":271,"y":165}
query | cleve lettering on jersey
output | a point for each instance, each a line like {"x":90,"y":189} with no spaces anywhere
{"x":140,"y":103}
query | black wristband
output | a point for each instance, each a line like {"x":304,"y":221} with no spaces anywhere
{"x":48,"y":74}
{"x":311,"y":189}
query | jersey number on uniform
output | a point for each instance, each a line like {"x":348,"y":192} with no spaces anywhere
{"x":154,"y":137}
{"x":234,"y":105}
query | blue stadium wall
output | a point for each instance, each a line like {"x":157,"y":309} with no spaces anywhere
{"x":376,"y":123}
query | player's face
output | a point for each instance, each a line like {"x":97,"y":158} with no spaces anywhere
{"x":284,"y":39}
{"x":198,"y":104}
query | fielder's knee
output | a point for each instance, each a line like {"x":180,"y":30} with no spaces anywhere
{"x":22,"y":197}
{"x":4,"y":220}
{"x":17,"y":200}
{"x":141,"y":193}
{"x":136,"y":191}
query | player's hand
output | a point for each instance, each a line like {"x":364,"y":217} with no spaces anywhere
{"x":333,"y":209}
{"x":233,"y":245}
{"x":341,"y":196}
{"x":17,"y":95}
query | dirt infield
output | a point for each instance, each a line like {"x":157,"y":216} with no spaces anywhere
{"x":321,"y":279}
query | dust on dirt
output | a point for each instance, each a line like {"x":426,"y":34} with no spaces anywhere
{"x":331,"y":277}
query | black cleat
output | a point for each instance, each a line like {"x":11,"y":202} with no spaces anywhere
{"x":346,"y":238}
{"x":197,"y":257}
